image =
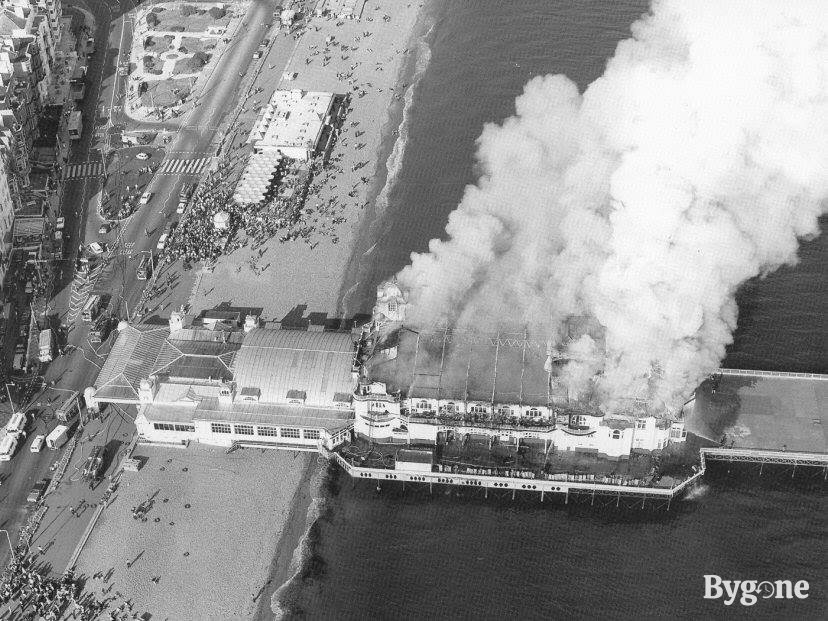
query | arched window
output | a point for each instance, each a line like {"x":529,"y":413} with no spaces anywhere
{"x":422,"y":405}
{"x":534,"y":412}
{"x":450,"y":407}
{"x":478,"y":409}
{"x":616,"y":435}
{"x":504,"y":410}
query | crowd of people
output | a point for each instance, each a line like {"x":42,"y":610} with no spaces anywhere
{"x":26,"y":586}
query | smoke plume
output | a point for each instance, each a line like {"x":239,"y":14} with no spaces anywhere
{"x":697,"y":161}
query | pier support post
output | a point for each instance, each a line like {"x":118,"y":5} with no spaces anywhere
{"x":486,"y":492}
{"x":793,"y":472}
{"x":429,"y":487}
{"x":513,"y":494}
{"x":618,"y":500}
{"x":643,"y":500}
{"x":541,"y":495}
{"x":592,"y":502}
{"x":761,"y":465}
{"x":669,"y":499}
{"x":566,"y":502}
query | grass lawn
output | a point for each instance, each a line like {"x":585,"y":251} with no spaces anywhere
{"x":163,"y":92}
{"x":194,"y":44}
{"x":158,"y":44}
{"x":173,"y":20}
{"x":191,"y":65}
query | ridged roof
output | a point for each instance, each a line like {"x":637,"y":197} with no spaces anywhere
{"x":279,"y":361}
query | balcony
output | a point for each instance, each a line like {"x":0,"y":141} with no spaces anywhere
{"x":486,"y":421}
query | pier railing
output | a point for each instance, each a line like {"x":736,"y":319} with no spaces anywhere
{"x":762,"y":456}
{"x":779,"y":374}
{"x":511,"y":483}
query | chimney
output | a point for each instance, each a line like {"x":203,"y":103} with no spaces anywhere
{"x":547,"y":366}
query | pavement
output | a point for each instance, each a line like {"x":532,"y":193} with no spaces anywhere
{"x":767,"y":413}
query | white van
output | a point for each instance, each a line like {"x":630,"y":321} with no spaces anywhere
{"x":145,"y":198}
{"x":17,"y":422}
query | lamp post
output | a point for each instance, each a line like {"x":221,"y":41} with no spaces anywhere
{"x":8,"y":538}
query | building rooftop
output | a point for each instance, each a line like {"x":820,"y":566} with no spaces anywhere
{"x":280,"y":361}
{"x":463,"y":365}
{"x":292,"y":118}
{"x":276,"y":365}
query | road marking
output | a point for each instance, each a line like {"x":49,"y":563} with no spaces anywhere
{"x":86,"y":169}
{"x":183,"y":167}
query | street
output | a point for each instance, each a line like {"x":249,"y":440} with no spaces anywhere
{"x":195,"y":136}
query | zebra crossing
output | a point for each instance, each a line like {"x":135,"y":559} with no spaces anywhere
{"x":81,"y":287}
{"x":86,"y":169}
{"x":183,"y":167}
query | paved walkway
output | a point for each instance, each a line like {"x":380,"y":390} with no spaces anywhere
{"x":769,"y":413}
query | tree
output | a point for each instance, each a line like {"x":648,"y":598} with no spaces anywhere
{"x":152,"y":20}
{"x":187,"y":10}
{"x":217,"y":13}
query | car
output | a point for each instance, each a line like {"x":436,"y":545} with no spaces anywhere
{"x":29,"y":286}
{"x":38,"y":490}
{"x":20,"y":348}
{"x":60,"y":223}
{"x":257,"y":55}
{"x":24,"y":329}
{"x":145,"y":198}
{"x":104,"y":228}
{"x":37,"y":443}
{"x":162,"y":241}
{"x":182,"y":205}
{"x":97,"y":248}
{"x":143,"y":155}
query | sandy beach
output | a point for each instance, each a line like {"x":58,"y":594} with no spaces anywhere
{"x":205,"y":549}
{"x":309,"y":271}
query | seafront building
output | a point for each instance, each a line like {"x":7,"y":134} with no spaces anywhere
{"x":221,"y":383}
{"x":293,"y":125}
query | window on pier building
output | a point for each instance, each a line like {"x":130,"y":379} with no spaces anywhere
{"x":640,"y":423}
{"x":243,"y":430}
{"x":504,"y":410}
{"x":190,"y":428}
{"x":616,"y":435}
{"x":450,"y":407}
{"x":289,"y":432}
{"x":534,"y":412}
{"x":163,"y":427}
{"x":478,"y":409}
{"x":310,"y":434}
{"x":423,"y":405}
{"x":378,"y":406}
{"x":267,"y":431}
{"x":220,"y":427}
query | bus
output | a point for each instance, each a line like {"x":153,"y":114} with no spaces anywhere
{"x":91,"y":308}
{"x":144,"y":270}
{"x":75,"y":125}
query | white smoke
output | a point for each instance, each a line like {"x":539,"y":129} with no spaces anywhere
{"x":697,"y":161}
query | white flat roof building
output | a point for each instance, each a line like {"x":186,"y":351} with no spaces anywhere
{"x":291,"y":123}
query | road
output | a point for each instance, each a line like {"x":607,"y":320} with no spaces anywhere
{"x":195,"y":136}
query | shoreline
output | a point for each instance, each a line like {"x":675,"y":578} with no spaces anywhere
{"x":281,"y":571}
{"x":389,"y":162}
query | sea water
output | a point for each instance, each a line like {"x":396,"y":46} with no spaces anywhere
{"x":397,"y":554}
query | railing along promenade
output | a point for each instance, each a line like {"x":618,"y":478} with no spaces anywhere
{"x":779,"y":374}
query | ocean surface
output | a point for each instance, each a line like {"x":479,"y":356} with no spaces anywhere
{"x":408,"y":555}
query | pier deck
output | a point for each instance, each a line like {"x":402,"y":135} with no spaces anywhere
{"x":763,"y":412}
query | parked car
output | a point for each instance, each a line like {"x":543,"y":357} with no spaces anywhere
{"x":37,"y":443}
{"x":104,"y":228}
{"x":182,"y":205}
{"x":145,"y":198}
{"x":29,"y":286}
{"x":60,"y":223}
{"x":162,"y":241}
{"x":143,"y":155}
{"x":257,"y":55}
{"x":38,"y":490}
{"x":97,"y":248}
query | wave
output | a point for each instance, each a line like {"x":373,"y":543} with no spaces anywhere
{"x":305,"y":546}
{"x":393,"y":165}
